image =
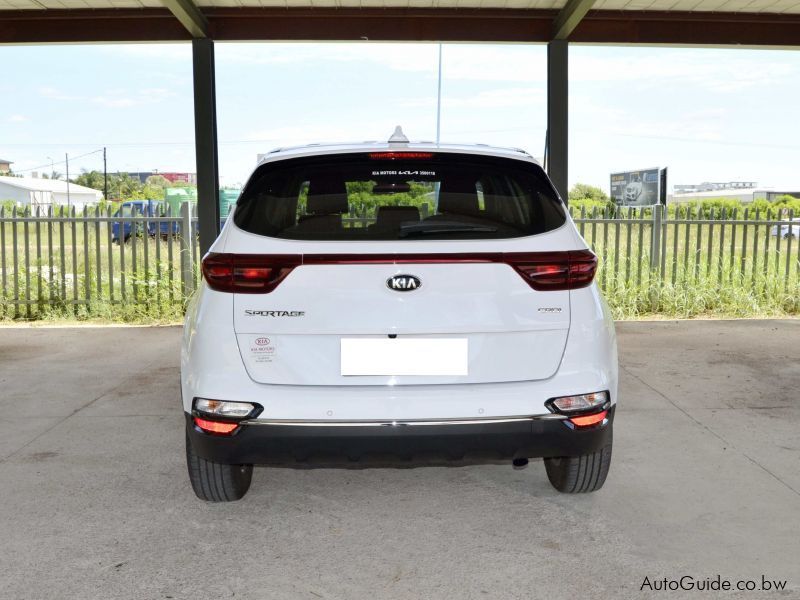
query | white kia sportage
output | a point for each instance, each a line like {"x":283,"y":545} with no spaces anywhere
{"x":404,"y":299}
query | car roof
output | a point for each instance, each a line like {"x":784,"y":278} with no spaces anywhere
{"x":374,"y":146}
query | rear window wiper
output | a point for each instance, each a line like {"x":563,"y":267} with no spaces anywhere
{"x":437,"y":228}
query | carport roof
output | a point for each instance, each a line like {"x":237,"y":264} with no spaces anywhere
{"x":727,"y":6}
{"x":713,"y":22}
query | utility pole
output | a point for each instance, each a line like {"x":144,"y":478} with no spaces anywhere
{"x":105,"y":175}
{"x":69,"y":204}
{"x":439,"y":100}
{"x":437,"y":186}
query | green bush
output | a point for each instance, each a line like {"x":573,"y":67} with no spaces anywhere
{"x":704,"y":208}
{"x":729,"y":208}
{"x":762,"y":205}
{"x":717,"y":207}
{"x":589,"y":198}
{"x":584,"y":191}
{"x":788,"y":203}
{"x":589,"y":205}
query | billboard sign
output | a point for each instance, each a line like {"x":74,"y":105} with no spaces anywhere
{"x":636,"y":188}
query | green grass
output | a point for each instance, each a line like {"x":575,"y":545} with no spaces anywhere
{"x":719,"y":270}
{"x":703,"y":296}
{"x":92,"y":279}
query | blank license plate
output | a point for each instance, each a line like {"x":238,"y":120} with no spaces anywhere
{"x":399,"y":356}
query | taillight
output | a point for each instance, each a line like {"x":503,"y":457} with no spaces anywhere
{"x":549,"y":271}
{"x":261,"y":273}
{"x":247,"y":273}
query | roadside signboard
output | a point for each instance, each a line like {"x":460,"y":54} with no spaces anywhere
{"x":637,"y":188}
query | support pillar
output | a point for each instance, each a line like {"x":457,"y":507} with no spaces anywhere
{"x":557,"y":114}
{"x":205,"y":141}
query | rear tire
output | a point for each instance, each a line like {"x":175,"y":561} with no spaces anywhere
{"x":216,"y":482}
{"x":579,"y":474}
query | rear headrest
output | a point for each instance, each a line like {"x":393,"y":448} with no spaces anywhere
{"x":458,"y":196}
{"x":390,"y":217}
{"x":327,"y":196}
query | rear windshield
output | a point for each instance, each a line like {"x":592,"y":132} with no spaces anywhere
{"x":398,"y":196}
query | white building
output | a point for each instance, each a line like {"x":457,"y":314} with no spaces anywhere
{"x":743,"y":196}
{"x":711,"y":186}
{"x":28,"y":191}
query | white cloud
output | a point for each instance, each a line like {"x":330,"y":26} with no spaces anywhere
{"x":181,"y":51}
{"x":700,"y":70}
{"x":113,"y":98}
{"x":512,"y":97}
{"x":309,"y":133}
{"x":471,"y":62}
{"x":17,"y":119}
{"x":701,"y":125}
{"x":114,"y":102}
{"x":56,"y":94}
{"x":120,"y":98}
{"x":715,"y":70}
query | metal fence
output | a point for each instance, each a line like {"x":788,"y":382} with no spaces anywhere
{"x":647,"y":246}
{"x":65,"y":261}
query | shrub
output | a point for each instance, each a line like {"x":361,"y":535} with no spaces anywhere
{"x":787,"y":203}
{"x":716,"y":206}
{"x":584,"y":191}
{"x":8,"y":205}
{"x":588,"y":205}
{"x":707,"y":207}
{"x":762,"y":205}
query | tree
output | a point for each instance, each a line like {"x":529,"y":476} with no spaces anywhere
{"x":787,"y":202}
{"x":158,"y":181}
{"x":90,"y":179}
{"x":124,"y":187}
{"x":584,"y":191}
{"x":121,"y":186}
{"x":154,"y":187}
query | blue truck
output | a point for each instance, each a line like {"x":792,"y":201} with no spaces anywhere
{"x":143,"y":209}
{"x":171,"y":205}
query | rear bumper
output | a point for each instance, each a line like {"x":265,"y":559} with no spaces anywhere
{"x":281,"y":443}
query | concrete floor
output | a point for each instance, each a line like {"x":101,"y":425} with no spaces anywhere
{"x":705,"y":480}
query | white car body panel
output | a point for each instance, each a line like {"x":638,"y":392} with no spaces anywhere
{"x":524,"y":346}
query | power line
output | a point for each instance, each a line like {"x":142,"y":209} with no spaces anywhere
{"x":734,"y":143}
{"x":54,"y":163}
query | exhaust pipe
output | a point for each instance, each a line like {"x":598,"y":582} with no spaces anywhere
{"x":519,"y":463}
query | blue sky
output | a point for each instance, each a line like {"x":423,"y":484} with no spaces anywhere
{"x":707,"y":114}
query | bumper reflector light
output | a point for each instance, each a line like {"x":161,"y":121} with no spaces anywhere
{"x":215,"y":426}
{"x":589,"y":420}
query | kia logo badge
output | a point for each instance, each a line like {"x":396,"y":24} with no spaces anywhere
{"x":403,"y":283}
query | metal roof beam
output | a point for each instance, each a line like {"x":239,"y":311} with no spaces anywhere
{"x":189,"y":15}
{"x":569,"y":17}
{"x":420,"y":25}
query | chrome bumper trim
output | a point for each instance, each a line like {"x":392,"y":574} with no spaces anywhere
{"x":402,"y":423}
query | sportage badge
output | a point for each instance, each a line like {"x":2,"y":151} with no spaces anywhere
{"x":403,"y":283}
